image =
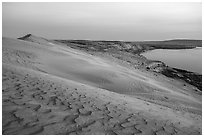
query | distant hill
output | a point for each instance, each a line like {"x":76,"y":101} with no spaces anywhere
{"x":176,"y":43}
{"x":184,"y":42}
{"x":33,"y":38}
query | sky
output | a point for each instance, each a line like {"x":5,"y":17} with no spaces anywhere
{"x":103,"y":21}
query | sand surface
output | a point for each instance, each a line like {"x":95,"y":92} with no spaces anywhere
{"x":49,"y":88}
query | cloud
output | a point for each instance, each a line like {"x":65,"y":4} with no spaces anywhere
{"x":127,"y":21}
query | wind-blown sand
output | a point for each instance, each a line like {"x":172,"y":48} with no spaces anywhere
{"x":49,"y":88}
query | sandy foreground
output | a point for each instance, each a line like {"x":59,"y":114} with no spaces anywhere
{"x":48,"y":88}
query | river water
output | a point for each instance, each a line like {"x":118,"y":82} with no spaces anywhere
{"x":187,"y":59}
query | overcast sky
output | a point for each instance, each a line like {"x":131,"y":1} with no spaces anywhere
{"x":103,"y":21}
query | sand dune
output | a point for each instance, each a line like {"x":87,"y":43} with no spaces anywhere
{"x":49,"y":88}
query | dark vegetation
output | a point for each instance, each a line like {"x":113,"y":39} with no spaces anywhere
{"x":134,"y":47}
{"x":189,"y":77}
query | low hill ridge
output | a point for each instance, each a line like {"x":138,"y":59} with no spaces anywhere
{"x":36,"y":39}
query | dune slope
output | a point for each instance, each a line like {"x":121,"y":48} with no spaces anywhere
{"x":49,"y":88}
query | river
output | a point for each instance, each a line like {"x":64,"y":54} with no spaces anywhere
{"x":187,"y":59}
